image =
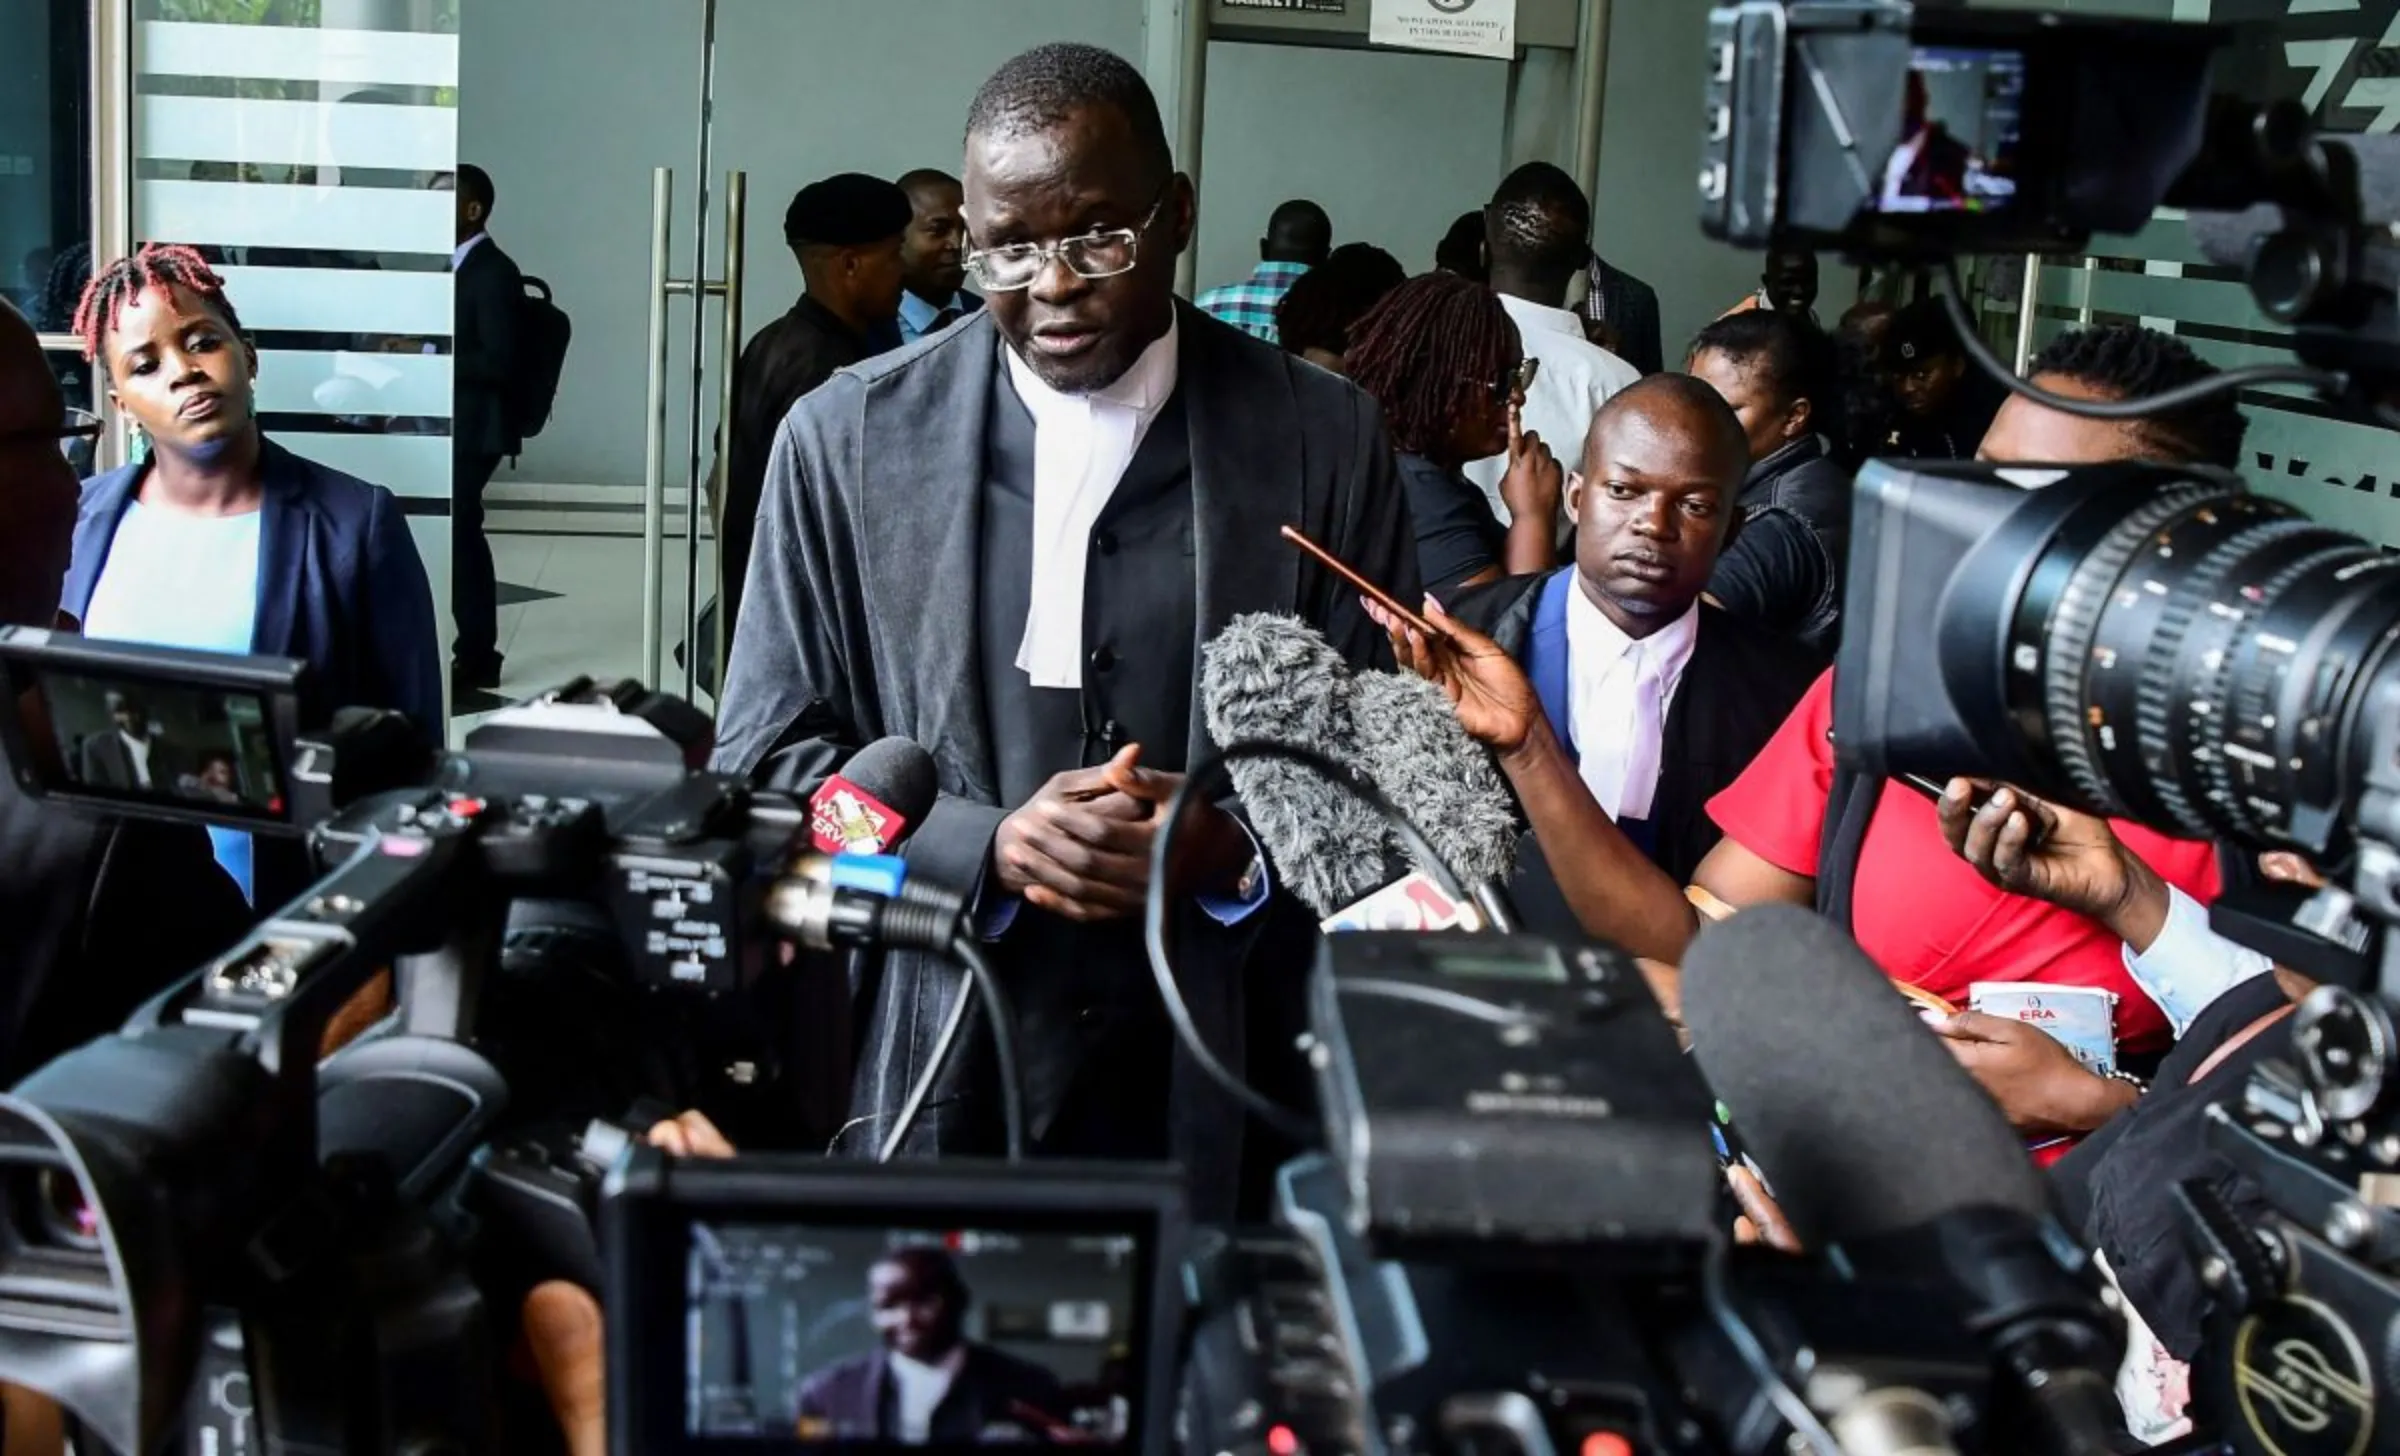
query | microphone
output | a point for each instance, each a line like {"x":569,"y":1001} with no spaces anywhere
{"x":885,"y":790}
{"x":1912,"y":1162}
{"x":1412,"y":746}
{"x":1268,"y":678}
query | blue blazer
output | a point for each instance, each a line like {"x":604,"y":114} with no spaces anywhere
{"x":340,"y":586}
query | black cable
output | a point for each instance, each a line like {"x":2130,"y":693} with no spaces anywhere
{"x":1753,"y":1354}
{"x":966,"y":952}
{"x":1205,"y":780}
{"x":919,"y":1095}
{"x":1954,"y":302}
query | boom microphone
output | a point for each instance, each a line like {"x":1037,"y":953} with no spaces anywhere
{"x":1785,"y":1013}
{"x":1903,"y":1160}
{"x":1273,"y":679}
{"x":1411,"y":744}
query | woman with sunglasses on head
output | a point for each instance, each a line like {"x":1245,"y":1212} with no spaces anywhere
{"x":1443,"y":359}
{"x":222,"y":540}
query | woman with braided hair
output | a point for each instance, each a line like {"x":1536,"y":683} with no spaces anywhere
{"x":225,"y":541}
{"x":1441,"y":356}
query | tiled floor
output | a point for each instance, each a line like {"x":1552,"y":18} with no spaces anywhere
{"x":592,"y":626}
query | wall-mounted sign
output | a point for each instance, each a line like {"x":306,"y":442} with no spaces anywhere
{"x":1325,"y":7}
{"x":1463,"y":27}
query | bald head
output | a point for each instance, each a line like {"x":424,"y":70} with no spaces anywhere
{"x":37,"y":490}
{"x":1680,"y":406}
{"x":1661,"y":469}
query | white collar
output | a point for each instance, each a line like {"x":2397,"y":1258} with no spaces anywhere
{"x":459,"y":255}
{"x":1531,"y":315}
{"x":1143,"y":389}
{"x":1595,"y":640}
{"x":944,"y":1370}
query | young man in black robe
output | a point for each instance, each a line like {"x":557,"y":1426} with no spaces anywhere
{"x":1022,"y":586}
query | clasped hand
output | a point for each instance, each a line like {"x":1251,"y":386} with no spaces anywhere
{"x":1080,"y":848}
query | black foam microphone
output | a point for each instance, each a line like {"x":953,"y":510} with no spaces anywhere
{"x":1274,"y":679}
{"x":1875,"y":1138}
{"x":1411,"y":744}
{"x":884,"y":791}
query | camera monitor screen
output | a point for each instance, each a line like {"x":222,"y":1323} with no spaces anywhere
{"x":801,"y":1333}
{"x":1961,"y":130}
{"x":184,"y":735}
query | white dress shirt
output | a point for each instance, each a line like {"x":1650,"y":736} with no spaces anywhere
{"x":1618,"y":692}
{"x":458,"y":255}
{"x":1082,"y":446}
{"x":2190,"y":965}
{"x":1576,"y":378}
{"x":138,"y":750}
{"x":920,"y":1388}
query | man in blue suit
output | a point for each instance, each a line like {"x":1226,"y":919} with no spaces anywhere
{"x":1662,"y":697}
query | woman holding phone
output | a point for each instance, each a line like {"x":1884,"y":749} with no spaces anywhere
{"x":1443,"y":359}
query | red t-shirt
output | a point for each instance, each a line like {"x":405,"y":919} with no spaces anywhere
{"x":1921,"y":912}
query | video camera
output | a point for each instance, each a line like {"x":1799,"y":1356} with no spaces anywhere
{"x":2154,"y":644}
{"x":199,"y":1204}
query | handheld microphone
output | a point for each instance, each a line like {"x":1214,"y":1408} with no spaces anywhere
{"x":884,"y":791}
{"x":1273,"y":679}
{"x":1411,"y":744}
{"x":1912,"y":1162}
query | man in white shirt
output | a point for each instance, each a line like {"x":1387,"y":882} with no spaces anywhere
{"x":928,"y":1383}
{"x":129,"y":756}
{"x":1539,"y":232}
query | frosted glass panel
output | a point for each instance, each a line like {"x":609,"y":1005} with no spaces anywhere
{"x":310,"y":164}
{"x":299,"y":133}
{"x":342,"y":301}
{"x":353,"y":386}
{"x":293,"y":53}
{"x":415,"y":467}
{"x":268,"y":215}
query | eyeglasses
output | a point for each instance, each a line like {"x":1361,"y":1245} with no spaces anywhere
{"x":1511,"y":382}
{"x":77,"y":433}
{"x":1095,"y":255}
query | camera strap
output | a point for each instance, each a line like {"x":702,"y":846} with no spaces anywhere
{"x":1848,"y":811}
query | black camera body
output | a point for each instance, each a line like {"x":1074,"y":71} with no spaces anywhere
{"x":1923,"y":131}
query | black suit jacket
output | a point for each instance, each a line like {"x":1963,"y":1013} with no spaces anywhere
{"x":108,"y":763}
{"x":1740,"y":685}
{"x":855,"y":1398}
{"x":860,"y":622}
{"x":1630,"y":306}
{"x":782,"y":363}
{"x":491,"y":292}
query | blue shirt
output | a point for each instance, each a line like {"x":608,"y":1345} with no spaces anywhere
{"x":1250,"y":304}
{"x":178,"y":580}
{"x":917,"y":316}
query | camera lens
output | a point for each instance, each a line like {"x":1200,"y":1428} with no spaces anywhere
{"x":2200,"y":658}
{"x":61,"y":1217}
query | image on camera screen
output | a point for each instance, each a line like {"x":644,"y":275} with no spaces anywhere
{"x":912,"y":1337}
{"x":1959,"y":134}
{"x":195,"y":748}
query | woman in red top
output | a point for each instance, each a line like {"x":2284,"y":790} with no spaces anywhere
{"x":1946,"y":894}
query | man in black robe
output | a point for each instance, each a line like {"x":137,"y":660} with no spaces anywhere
{"x":846,"y":233}
{"x":1008,"y":542}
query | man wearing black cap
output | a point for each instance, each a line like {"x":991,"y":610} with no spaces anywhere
{"x":1946,"y":403}
{"x":846,"y":232}
{"x":1024,"y":591}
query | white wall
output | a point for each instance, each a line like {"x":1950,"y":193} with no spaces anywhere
{"x":1394,"y":145}
{"x":571,"y":103}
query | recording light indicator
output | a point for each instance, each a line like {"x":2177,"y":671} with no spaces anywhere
{"x":1606,"y":1443}
{"x":1282,"y":1442}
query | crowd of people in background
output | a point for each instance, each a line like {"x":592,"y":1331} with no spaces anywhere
{"x":989,"y":484}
